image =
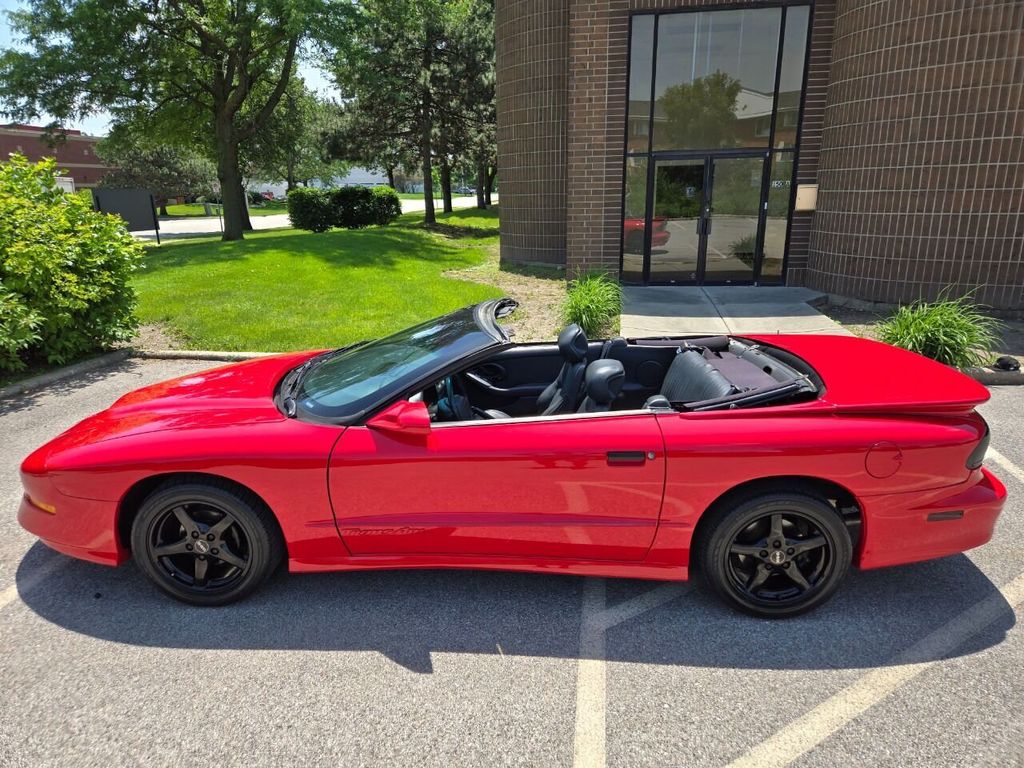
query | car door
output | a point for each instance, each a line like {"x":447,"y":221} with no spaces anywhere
{"x":585,"y":486}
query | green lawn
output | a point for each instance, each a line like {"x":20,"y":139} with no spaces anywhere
{"x":284,"y":289}
{"x":197,"y":209}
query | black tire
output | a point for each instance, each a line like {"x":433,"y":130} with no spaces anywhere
{"x":775,"y":555}
{"x":205,"y":543}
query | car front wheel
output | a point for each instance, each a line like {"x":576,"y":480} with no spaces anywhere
{"x":205,"y":543}
{"x":776,"y":555}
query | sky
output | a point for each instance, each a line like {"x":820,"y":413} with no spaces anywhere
{"x":98,"y":125}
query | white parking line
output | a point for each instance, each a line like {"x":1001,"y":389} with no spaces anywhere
{"x":10,"y":594}
{"x":809,"y":730}
{"x":1005,"y":463}
{"x":589,"y":750}
{"x":589,"y":747}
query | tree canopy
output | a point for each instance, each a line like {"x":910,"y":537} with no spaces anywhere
{"x":205,"y":72}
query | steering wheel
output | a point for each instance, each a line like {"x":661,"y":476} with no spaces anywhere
{"x":459,"y":405}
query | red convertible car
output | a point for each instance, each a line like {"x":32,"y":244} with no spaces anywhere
{"x":768,"y":463}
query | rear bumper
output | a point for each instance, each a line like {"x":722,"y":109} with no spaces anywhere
{"x":659,"y":237}
{"x":82,"y":528}
{"x":911,"y":527}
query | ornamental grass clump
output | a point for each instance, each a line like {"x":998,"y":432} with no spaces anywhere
{"x":953,"y":331}
{"x":593,"y":302}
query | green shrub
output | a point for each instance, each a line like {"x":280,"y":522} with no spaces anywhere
{"x":317,"y":210}
{"x":310,"y":209}
{"x":64,"y":270}
{"x":387,"y":205}
{"x":352,"y":207}
{"x":952,"y":331}
{"x":593,"y":302}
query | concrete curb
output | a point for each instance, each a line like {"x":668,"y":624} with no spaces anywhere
{"x":191,"y":354}
{"x":76,"y":369}
{"x":118,"y":356}
{"x":991,"y":377}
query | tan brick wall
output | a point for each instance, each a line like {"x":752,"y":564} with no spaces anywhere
{"x":922,"y":160}
{"x":531,"y":99}
{"x":583,"y":229}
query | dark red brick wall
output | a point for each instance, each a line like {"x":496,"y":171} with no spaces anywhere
{"x":922,"y":159}
{"x":76,"y":156}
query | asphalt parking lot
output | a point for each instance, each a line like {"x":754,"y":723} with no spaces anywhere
{"x":914,"y":665}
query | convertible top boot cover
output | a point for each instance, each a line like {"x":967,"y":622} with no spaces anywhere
{"x":562,"y":395}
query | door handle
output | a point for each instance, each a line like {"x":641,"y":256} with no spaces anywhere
{"x":626,"y":458}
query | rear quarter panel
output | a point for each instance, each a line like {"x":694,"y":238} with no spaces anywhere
{"x":711,"y":453}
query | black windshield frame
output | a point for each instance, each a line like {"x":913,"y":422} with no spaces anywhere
{"x":468,"y":333}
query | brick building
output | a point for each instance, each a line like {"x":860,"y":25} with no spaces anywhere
{"x":76,"y":156}
{"x":873,"y":150}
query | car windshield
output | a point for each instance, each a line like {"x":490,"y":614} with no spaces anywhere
{"x":344,"y":385}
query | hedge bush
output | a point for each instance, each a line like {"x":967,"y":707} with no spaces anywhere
{"x":952,"y":331}
{"x":64,"y":270}
{"x":318,"y":210}
{"x":593,"y":302}
{"x":310,"y":209}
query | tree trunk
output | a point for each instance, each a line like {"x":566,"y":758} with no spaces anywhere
{"x":163,"y":208}
{"x":492,"y":173}
{"x":391,"y":176}
{"x":230,"y":176}
{"x":246,"y":221}
{"x":446,"y":183}
{"x":426,"y":129}
{"x":481,"y":184}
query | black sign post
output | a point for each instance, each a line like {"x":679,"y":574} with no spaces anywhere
{"x":136,"y":206}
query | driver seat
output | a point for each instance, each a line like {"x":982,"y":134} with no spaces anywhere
{"x":563,"y":394}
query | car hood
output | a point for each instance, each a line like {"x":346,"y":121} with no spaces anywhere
{"x":241,"y":393}
{"x":864,"y":375}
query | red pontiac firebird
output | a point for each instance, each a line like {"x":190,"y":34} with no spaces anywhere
{"x":770,"y":463}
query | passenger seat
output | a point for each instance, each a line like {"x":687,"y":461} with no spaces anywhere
{"x":604,"y":383}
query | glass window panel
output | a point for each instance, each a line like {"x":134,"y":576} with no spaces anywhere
{"x":641,"y":61}
{"x":634,"y":211}
{"x":777,"y":218}
{"x":791,"y":77}
{"x":715,"y":78}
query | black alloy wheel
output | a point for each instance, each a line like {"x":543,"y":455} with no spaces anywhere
{"x":776,"y":555}
{"x":205,"y":544}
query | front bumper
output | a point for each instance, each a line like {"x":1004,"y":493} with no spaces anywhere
{"x":911,"y":527}
{"x":82,"y":528}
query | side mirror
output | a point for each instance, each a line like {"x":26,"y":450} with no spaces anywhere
{"x":402,"y":417}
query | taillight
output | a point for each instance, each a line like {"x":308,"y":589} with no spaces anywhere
{"x":977,"y":457}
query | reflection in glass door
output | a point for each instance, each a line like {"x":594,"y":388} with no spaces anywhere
{"x":733,"y":219}
{"x":676,"y":209}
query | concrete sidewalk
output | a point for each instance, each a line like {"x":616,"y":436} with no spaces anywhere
{"x":676,"y":310}
{"x":191,"y":226}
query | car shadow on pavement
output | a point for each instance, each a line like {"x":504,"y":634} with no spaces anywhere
{"x":408,"y":615}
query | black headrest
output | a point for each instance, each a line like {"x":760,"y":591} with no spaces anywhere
{"x":572,"y":343}
{"x":604,"y":380}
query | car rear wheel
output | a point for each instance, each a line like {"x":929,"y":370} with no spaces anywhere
{"x":205,"y":543}
{"x":776,"y":555}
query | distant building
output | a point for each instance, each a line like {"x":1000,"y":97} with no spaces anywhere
{"x":76,"y":155}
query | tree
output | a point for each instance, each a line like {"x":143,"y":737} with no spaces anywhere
{"x":408,"y":75}
{"x":164,"y":170}
{"x":291,"y":146}
{"x":183,"y":71}
{"x":701,"y":114}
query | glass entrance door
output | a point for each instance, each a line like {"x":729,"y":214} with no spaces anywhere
{"x":703,"y":220}
{"x":676,"y":221}
{"x":733,"y":220}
